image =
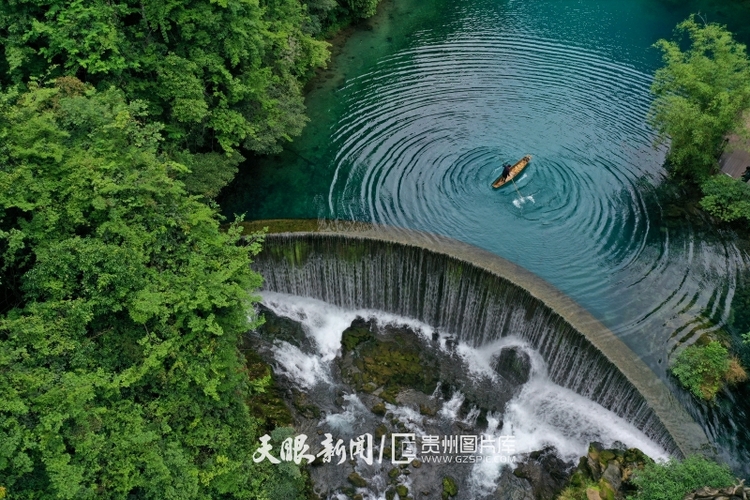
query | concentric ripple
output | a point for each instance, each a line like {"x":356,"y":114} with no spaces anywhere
{"x":428,"y":128}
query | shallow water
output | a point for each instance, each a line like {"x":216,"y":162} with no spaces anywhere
{"x":421,"y":108}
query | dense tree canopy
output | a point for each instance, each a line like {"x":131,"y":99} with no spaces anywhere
{"x":122,"y":304}
{"x":700,"y":95}
{"x":223,"y":72}
{"x":218,"y":74}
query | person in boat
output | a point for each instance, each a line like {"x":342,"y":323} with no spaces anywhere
{"x":506,"y":171}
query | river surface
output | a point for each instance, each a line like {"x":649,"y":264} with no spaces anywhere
{"x":423,"y":104}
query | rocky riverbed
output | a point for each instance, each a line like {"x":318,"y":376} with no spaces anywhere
{"x":406,"y":408}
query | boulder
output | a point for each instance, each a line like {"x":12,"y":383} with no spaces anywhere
{"x":613,"y":475}
{"x":357,"y":480}
{"x":513,"y":365}
{"x":281,"y":328}
{"x":547,"y":473}
{"x":592,"y":494}
{"x":511,"y":487}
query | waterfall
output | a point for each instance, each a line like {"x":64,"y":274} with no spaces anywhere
{"x":479,"y":306}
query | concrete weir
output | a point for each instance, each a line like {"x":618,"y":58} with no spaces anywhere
{"x":479,"y":297}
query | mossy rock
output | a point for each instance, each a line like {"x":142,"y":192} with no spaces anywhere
{"x":394,"y":473}
{"x":354,"y":336}
{"x":390,"y":494}
{"x":268,"y":406}
{"x":606,"y":491}
{"x":389,"y":362}
{"x":426,"y":410}
{"x":606,"y":455}
{"x":636,"y":456}
{"x":402,"y":491}
{"x":357,"y":480}
{"x":580,"y":477}
{"x":369,"y":387}
{"x":594,"y":450}
{"x":277,"y":327}
{"x":450,"y":488}
{"x":381,"y":431}
{"x":304,"y":406}
{"x":379,"y":409}
{"x":389,"y":395}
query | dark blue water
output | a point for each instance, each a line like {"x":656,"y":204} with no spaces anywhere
{"x":425,"y":102}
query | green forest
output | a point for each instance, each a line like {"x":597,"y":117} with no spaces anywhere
{"x":123,"y":298}
{"x":123,"y":301}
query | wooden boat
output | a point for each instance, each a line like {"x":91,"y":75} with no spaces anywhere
{"x":514,"y":171}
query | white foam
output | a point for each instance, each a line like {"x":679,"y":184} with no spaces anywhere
{"x":480,"y":360}
{"x":325,"y":322}
{"x":412,"y":419}
{"x":545,"y":414}
{"x":523,"y":199}
{"x":542,"y":414}
{"x":450,"y":409}
{"x":306,"y":370}
{"x":346,"y":422}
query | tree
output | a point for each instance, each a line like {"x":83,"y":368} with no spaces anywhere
{"x":700,"y":96}
{"x":726,"y":198}
{"x":675,"y":479}
{"x":219,"y":74}
{"x":121,"y":312}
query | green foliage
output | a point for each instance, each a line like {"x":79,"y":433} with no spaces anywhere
{"x":726,"y":198}
{"x":674,"y":479}
{"x":122,"y":307}
{"x":207,"y":172}
{"x":702,"y":369}
{"x":218,"y":74}
{"x":362,"y":8}
{"x":700,"y":95}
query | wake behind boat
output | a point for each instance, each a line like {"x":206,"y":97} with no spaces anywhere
{"x":514,"y":171}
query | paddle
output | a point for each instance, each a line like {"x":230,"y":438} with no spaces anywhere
{"x":517,"y":191}
{"x":514,"y":185}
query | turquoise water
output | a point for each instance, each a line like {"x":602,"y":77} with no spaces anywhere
{"x":424,"y":103}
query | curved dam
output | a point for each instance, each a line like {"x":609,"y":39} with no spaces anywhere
{"x":479,"y":297}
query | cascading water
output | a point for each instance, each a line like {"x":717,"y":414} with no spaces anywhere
{"x":542,"y":414}
{"x":479,"y":308}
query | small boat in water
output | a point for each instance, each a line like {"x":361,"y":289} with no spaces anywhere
{"x":514,"y":171}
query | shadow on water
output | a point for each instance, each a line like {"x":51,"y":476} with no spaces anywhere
{"x":725,"y":315}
